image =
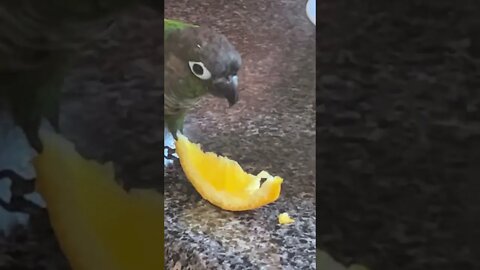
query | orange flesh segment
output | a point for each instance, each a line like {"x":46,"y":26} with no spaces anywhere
{"x":222,"y":181}
{"x":97,"y":223}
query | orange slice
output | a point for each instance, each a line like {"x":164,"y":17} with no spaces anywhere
{"x":222,"y":181}
{"x":97,"y":223}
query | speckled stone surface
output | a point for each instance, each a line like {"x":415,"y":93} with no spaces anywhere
{"x":399,"y":133}
{"x":112,"y":110}
{"x":271,"y":128}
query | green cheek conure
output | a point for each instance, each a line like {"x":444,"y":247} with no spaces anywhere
{"x":38,"y":42}
{"x":198,"y":61}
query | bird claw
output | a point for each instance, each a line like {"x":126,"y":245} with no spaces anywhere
{"x":169,"y":156}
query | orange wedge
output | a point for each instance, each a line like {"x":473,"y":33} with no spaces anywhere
{"x":98,"y":224}
{"x":222,"y":181}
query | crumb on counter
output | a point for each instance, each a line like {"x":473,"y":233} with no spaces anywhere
{"x":284,"y":218}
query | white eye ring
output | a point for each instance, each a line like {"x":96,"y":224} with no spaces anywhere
{"x":203,"y":74}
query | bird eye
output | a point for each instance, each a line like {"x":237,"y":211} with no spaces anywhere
{"x":199,"y":70}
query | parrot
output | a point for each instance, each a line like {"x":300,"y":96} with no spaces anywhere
{"x":39,"y":41}
{"x":198,"y":61}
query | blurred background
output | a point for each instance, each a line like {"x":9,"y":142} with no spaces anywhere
{"x":399,"y":133}
{"x":112,"y":110}
{"x":272,"y":128}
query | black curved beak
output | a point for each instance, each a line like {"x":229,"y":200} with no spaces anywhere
{"x":226,"y":88}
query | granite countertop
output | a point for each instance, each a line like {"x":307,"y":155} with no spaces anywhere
{"x":399,"y":133}
{"x":271,"y":128}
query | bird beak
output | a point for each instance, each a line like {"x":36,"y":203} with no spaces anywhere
{"x":227,"y":88}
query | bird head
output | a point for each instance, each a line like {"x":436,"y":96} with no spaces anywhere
{"x":206,"y":59}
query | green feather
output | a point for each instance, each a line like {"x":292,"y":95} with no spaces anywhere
{"x":191,"y":89}
{"x":171,"y":25}
{"x":38,"y":40}
{"x":175,"y":122}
